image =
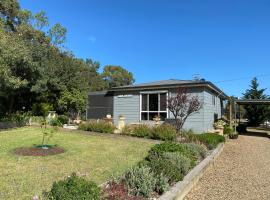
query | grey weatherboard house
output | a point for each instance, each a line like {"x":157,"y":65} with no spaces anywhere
{"x":140,"y":103}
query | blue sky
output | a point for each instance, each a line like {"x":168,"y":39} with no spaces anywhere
{"x":164,"y":39}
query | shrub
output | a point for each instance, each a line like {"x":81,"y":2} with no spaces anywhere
{"x":161,"y":166}
{"x":211,"y":140}
{"x":140,"y":181}
{"x":159,"y":149}
{"x":63,"y":119}
{"x":100,"y":126}
{"x":164,"y":132}
{"x":127,"y":130}
{"x":55,"y":122}
{"x":227,"y":130}
{"x":162,"y":184}
{"x":72,"y":188}
{"x":141,"y":130}
{"x":182,"y":163}
{"x":37,"y":119}
{"x":199,"y":152}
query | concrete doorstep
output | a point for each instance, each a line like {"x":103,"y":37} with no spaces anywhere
{"x":182,"y":188}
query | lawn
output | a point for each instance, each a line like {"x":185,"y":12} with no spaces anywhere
{"x":98,"y":156}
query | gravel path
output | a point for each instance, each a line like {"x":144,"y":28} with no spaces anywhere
{"x":242,"y":171}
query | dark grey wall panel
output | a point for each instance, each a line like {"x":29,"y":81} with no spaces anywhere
{"x":99,"y":105}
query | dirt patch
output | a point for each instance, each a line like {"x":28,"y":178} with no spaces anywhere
{"x":37,"y":151}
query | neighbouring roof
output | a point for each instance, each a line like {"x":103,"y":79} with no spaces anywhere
{"x":171,"y":83}
{"x":253,"y":102}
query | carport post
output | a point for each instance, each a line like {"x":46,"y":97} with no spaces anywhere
{"x":235,"y":116}
{"x":231,"y":102}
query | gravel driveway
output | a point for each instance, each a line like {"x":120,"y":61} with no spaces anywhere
{"x":242,"y":171}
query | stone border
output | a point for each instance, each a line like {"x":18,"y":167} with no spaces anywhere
{"x":182,"y":188}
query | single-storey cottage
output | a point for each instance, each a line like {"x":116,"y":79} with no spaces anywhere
{"x":140,"y":103}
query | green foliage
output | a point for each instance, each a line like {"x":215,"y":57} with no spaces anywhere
{"x":174,"y":160}
{"x":211,"y":140}
{"x":256,"y":114}
{"x":181,"y":162}
{"x":35,"y":68}
{"x":19,"y":118}
{"x":140,"y":181}
{"x":161,"y":184}
{"x":100,"y":126}
{"x":197,"y":151}
{"x":163,"y":167}
{"x":47,"y":132}
{"x":57,"y":34}
{"x":116,"y":76}
{"x":159,"y":149}
{"x":63,"y":119}
{"x":227,"y":130}
{"x":72,"y":100}
{"x":164,"y":132}
{"x":72,"y":188}
{"x":41,"y":109}
{"x":55,"y":122}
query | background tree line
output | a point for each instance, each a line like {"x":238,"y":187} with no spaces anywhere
{"x":36,"y":69}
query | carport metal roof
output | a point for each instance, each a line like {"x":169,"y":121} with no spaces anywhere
{"x":253,"y":102}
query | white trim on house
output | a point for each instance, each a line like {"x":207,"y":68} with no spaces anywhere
{"x":158,"y":111}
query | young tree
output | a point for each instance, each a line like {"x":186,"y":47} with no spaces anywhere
{"x":183,"y":105}
{"x":256,"y":114}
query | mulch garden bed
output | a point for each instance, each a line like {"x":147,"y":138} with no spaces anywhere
{"x":37,"y":151}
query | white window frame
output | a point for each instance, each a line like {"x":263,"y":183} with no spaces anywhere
{"x":158,"y":111}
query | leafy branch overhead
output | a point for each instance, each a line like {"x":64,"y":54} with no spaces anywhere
{"x":36,"y":69}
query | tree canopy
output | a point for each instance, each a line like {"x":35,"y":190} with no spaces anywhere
{"x":36,"y":69}
{"x":256,"y":114}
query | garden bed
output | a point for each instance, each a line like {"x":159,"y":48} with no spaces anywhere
{"x":38,"y":151}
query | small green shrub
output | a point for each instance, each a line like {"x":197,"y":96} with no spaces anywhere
{"x":72,"y":188}
{"x":140,"y":181}
{"x":127,"y":130}
{"x":199,"y":152}
{"x":163,"y":167}
{"x":100,"y":127}
{"x":182,"y":163}
{"x":162,"y":184}
{"x":141,"y":130}
{"x":37,"y":119}
{"x":159,"y":149}
{"x":227,"y":130}
{"x":164,"y":132}
{"x":211,"y":140}
{"x":55,"y":122}
{"x":63,"y":119}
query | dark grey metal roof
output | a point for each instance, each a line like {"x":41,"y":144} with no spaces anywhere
{"x":171,"y":83}
{"x":160,"y":83}
{"x":253,"y":102}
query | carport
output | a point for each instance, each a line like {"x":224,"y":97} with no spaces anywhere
{"x":245,"y":102}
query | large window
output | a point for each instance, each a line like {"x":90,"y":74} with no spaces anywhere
{"x":153,"y":105}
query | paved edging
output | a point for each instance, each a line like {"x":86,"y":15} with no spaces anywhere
{"x":182,"y":188}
